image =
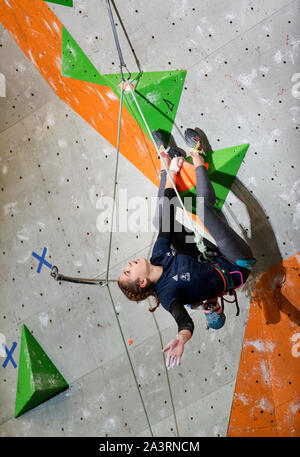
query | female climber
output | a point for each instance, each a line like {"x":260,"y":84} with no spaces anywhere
{"x":176,"y":274}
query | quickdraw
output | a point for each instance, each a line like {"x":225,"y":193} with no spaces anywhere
{"x":232,"y":292}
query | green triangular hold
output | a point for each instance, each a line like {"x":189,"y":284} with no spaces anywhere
{"x":158,"y":93}
{"x":224,"y":165}
{"x":61,"y":2}
{"x":75,"y":64}
{"x":38,"y":378}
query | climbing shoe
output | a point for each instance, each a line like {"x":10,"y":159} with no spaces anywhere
{"x":162,"y":146}
{"x":159,"y":140}
{"x":214,"y":314}
{"x":193,"y":140}
{"x":172,"y":152}
{"x":249,"y":263}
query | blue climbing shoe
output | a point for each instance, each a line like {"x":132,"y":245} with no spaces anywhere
{"x":249,"y":263}
{"x":215,"y":316}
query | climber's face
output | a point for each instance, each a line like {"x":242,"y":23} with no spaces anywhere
{"x":136,"y":269}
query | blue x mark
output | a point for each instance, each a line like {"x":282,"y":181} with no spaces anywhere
{"x":42,"y":260}
{"x":9,"y":353}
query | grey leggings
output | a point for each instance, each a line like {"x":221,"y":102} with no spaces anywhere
{"x":229,"y":243}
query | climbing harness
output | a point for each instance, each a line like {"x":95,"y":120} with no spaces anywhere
{"x":229,"y":284}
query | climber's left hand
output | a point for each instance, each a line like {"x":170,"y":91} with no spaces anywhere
{"x":176,"y":164}
{"x":175,"y":348}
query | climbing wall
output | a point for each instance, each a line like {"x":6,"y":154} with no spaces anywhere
{"x":228,"y":68}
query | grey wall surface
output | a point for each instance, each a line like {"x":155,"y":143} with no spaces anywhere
{"x":240,"y":59}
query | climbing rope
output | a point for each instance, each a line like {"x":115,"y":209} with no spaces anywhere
{"x":198,"y":237}
{"x":121,"y":60}
{"x":122,"y":64}
{"x":115,"y":179}
{"x":108,"y":259}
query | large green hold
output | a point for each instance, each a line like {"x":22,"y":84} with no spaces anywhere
{"x":224,"y":165}
{"x":38,"y":378}
{"x":157,"y":92}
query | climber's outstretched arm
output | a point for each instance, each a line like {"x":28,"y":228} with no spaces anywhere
{"x":185,"y":324}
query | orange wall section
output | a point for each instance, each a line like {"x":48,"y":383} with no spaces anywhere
{"x":38,"y":32}
{"x":267,"y":393}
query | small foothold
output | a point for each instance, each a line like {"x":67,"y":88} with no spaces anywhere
{"x":130,"y":341}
